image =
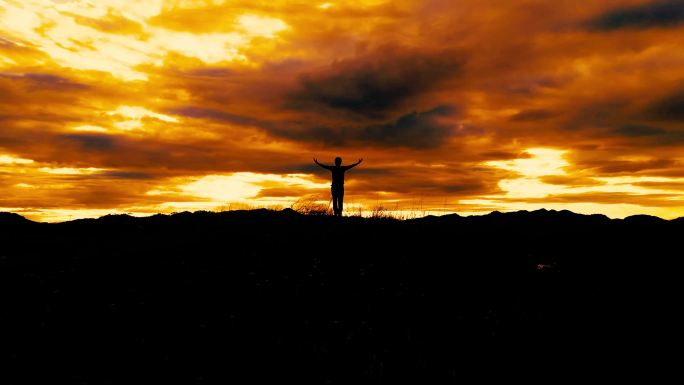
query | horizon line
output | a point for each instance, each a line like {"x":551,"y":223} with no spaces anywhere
{"x":387,"y":214}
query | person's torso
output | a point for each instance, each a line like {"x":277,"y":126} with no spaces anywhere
{"x":337,"y":176}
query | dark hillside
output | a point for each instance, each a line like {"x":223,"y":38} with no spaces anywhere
{"x":278,"y":296}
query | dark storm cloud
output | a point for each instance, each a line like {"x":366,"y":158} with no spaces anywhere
{"x":503,"y":155}
{"x":566,"y":180}
{"x":416,"y":130}
{"x":137,"y":158}
{"x":637,"y":130}
{"x":49,"y":81}
{"x":91,"y":142}
{"x":462,"y":188}
{"x":426,"y":182}
{"x":650,"y":135}
{"x":671,"y":138}
{"x":665,"y":13}
{"x":529,"y":85}
{"x":131,"y":175}
{"x":670,"y":107}
{"x":212,"y":114}
{"x":371,"y":171}
{"x":312,"y":168}
{"x":597,"y":114}
{"x":370,"y":86}
{"x":625,"y":167}
{"x":533,"y":115}
{"x":413,"y":130}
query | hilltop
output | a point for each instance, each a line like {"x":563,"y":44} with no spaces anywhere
{"x":204,"y":297}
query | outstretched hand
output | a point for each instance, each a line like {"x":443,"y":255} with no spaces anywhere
{"x":360,"y":160}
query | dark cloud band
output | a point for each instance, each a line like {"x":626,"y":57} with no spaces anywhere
{"x":666,"y":13}
{"x":374,"y":85}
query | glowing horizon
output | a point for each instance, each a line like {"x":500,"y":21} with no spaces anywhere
{"x":116,"y":106}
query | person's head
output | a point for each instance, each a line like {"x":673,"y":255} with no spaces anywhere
{"x":338,"y":161}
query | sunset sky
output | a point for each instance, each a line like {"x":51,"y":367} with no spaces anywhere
{"x":467,"y":106}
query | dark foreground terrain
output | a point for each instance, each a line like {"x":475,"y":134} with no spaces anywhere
{"x":276,"y":297}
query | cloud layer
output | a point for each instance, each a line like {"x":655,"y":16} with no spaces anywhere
{"x":469,"y":106}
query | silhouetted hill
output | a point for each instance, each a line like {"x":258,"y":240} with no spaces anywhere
{"x":278,"y":297}
{"x":645,"y":220}
{"x":11,"y":219}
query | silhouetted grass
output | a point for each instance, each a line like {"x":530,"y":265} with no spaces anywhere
{"x":310,"y":206}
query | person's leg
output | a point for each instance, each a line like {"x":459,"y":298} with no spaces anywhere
{"x":340,"y":195}
{"x":334,"y":199}
{"x":336,"y":205}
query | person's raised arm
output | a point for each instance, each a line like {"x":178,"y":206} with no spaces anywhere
{"x":353,"y":164}
{"x":320,"y":164}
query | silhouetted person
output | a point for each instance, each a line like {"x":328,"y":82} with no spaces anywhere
{"x":337,"y":186}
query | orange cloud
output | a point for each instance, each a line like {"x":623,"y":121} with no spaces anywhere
{"x":469,"y":106}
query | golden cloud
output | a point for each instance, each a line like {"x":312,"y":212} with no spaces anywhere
{"x":128,"y":106}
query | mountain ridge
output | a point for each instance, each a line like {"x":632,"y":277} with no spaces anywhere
{"x":540,"y":214}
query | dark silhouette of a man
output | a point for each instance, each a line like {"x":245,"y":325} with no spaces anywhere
{"x":337,"y":186}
